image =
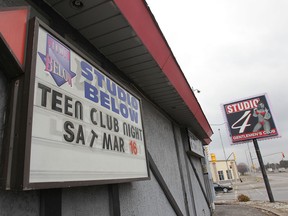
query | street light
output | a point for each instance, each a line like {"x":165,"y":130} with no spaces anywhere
{"x":196,"y":90}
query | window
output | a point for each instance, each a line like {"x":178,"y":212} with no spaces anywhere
{"x":229,"y":174}
{"x":221,"y":175}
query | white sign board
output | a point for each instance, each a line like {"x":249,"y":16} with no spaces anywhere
{"x":196,"y":146}
{"x":86,"y":127}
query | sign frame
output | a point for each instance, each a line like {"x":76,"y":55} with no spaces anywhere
{"x":19,"y":175}
{"x":247,"y":113}
{"x":195,"y":145}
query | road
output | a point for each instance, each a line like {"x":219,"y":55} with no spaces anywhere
{"x":254,"y":187}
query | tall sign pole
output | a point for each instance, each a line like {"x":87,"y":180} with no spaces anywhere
{"x":263,"y":170}
{"x":251,"y":119}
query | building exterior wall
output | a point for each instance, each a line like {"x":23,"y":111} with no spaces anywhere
{"x":19,"y":203}
{"x":198,"y":190}
{"x":200,"y":201}
{"x":85,"y":201}
{"x":160,"y":143}
{"x":144,"y":198}
{"x":167,"y":144}
{"x":160,"y":140}
{"x":217,"y":166}
{"x":187,"y":173}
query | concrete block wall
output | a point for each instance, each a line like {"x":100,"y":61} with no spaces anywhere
{"x":200,"y":203}
{"x":144,"y":198}
{"x":85,"y":201}
{"x":161,"y":145}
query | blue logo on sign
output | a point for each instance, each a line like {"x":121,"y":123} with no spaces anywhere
{"x":57,"y":61}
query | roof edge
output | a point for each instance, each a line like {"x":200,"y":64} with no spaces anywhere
{"x":142,"y":21}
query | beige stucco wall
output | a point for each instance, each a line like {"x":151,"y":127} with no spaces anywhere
{"x":221,"y":165}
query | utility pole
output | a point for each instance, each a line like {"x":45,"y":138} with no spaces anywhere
{"x":224,"y":154}
{"x":252,"y":163}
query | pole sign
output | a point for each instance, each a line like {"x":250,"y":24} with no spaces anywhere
{"x":86,"y":127}
{"x":249,"y":119}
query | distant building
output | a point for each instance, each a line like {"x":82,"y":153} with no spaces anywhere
{"x":224,"y":171}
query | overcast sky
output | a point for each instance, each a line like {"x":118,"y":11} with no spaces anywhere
{"x":229,"y":50}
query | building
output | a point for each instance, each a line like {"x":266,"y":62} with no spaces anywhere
{"x":224,"y":171}
{"x":96,"y":116}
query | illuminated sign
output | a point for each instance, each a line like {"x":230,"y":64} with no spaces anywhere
{"x":249,"y":119}
{"x":86,"y":127}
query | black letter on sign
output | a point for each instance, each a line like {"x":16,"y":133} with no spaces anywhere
{"x":68,"y":105}
{"x":121,"y":144}
{"x":80,"y":135}
{"x":107,"y":141}
{"x":94,"y":135}
{"x":67,"y":126}
{"x":78,"y":110}
{"x":93,"y":116}
{"x":45,"y":89}
{"x":116,"y":144}
{"x":55,"y":101}
{"x":116,"y":125}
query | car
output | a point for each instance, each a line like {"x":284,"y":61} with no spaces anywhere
{"x":222,"y":188}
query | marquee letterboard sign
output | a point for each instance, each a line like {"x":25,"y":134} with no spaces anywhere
{"x":86,"y":127}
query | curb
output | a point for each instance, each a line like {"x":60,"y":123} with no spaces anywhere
{"x":268,"y":210}
{"x":275,"y":212}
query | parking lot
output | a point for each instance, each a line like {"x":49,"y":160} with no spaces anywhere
{"x":253,"y":186}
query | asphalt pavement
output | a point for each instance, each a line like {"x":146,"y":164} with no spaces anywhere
{"x":253,"y":186}
{"x":239,"y":210}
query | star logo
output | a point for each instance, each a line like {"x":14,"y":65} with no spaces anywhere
{"x":57,"y":61}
